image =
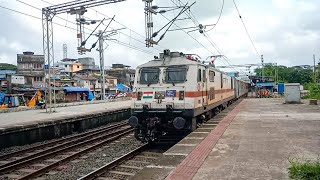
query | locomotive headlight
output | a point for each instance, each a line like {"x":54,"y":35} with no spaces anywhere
{"x":139,"y":96}
{"x":179,"y":122}
{"x":133,"y":121}
{"x":181,"y":95}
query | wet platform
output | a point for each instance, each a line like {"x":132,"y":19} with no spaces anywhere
{"x":254,"y":141}
{"x":35,"y":124}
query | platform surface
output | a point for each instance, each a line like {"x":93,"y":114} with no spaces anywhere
{"x":21,"y":118}
{"x":261,"y":139}
{"x":255,"y":140}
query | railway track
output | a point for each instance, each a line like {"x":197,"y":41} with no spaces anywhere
{"x":127,"y":165}
{"x":35,"y":161}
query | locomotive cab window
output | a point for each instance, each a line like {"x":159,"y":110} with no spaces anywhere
{"x":149,"y":75}
{"x":176,"y":74}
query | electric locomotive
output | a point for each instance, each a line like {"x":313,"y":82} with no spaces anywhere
{"x":175,"y":92}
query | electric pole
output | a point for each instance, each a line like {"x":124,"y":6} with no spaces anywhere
{"x":101,"y":54}
{"x":262,"y":70}
{"x":314,"y":69}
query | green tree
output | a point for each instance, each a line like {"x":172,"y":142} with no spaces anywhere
{"x":6,"y":66}
{"x":287,"y":74}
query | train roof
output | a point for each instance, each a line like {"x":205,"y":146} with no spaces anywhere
{"x":178,"y":59}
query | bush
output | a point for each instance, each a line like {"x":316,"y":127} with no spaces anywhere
{"x":314,"y":91}
{"x":304,"y":170}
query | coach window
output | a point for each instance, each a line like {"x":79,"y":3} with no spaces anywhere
{"x":211,"y":76}
{"x":199,"y":75}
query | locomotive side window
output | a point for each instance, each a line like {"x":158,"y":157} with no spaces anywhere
{"x":176,"y":74}
{"x":221,"y":77}
{"x":204,"y":75}
{"x":211,"y":76}
{"x":149,"y":75}
{"x":199,"y":75}
{"x":231,"y":83}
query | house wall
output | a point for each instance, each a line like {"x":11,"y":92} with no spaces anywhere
{"x":72,"y":97}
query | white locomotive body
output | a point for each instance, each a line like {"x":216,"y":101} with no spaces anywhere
{"x":177,"y":91}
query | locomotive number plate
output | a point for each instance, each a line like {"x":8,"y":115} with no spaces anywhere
{"x":171,"y":93}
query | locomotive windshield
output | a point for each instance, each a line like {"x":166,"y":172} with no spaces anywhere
{"x":149,"y":75}
{"x":176,"y":74}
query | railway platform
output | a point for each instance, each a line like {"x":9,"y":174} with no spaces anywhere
{"x":255,"y":140}
{"x":24,"y":127}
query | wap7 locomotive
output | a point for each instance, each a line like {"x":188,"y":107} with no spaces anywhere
{"x":176,"y":91}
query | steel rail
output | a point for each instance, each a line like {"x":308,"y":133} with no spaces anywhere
{"x":105,"y":168}
{"x":46,"y":154}
{"x":59,"y":141}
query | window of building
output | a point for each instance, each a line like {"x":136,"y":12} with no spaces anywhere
{"x":212,"y":74}
{"x":111,"y":81}
{"x":65,"y":65}
{"x":199,"y":75}
{"x":37,"y":79}
{"x":78,"y":66}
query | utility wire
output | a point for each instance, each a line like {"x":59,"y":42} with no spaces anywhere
{"x":218,"y":17}
{"x":246,"y":29}
{"x":117,"y":42}
{"x":196,"y":22}
{"x":107,"y":17}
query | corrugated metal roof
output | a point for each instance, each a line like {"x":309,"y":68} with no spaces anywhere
{"x":75,"y":89}
{"x":265,"y":84}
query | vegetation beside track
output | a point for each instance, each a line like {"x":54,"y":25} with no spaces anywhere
{"x":304,"y":169}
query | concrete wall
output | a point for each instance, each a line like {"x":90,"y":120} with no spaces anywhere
{"x":18,"y":136}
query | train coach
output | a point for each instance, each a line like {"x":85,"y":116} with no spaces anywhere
{"x":177,"y":91}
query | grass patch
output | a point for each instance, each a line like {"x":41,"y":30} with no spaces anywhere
{"x":304,"y":169}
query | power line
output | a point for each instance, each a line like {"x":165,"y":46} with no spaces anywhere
{"x":107,"y":17}
{"x":246,"y":29}
{"x":218,"y":17}
{"x":196,"y":22}
{"x":118,"y":42}
{"x":190,"y":36}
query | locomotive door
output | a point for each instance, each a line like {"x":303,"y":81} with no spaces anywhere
{"x":204,"y":88}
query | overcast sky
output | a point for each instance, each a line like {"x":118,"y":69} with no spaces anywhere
{"x":284,"y":31}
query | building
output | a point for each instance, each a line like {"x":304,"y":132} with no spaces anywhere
{"x":88,"y":82}
{"x":123,"y":73}
{"x":31,"y":67}
{"x":87,"y":63}
{"x":3,"y":79}
{"x":69,"y":67}
{"x":87,"y":72}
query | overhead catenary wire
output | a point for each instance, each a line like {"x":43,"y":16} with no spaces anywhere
{"x":190,"y":36}
{"x":218,"y":17}
{"x":248,"y":34}
{"x":196,"y":22}
{"x":215,"y":46}
{"x":117,"y":42}
{"x":107,"y":17}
